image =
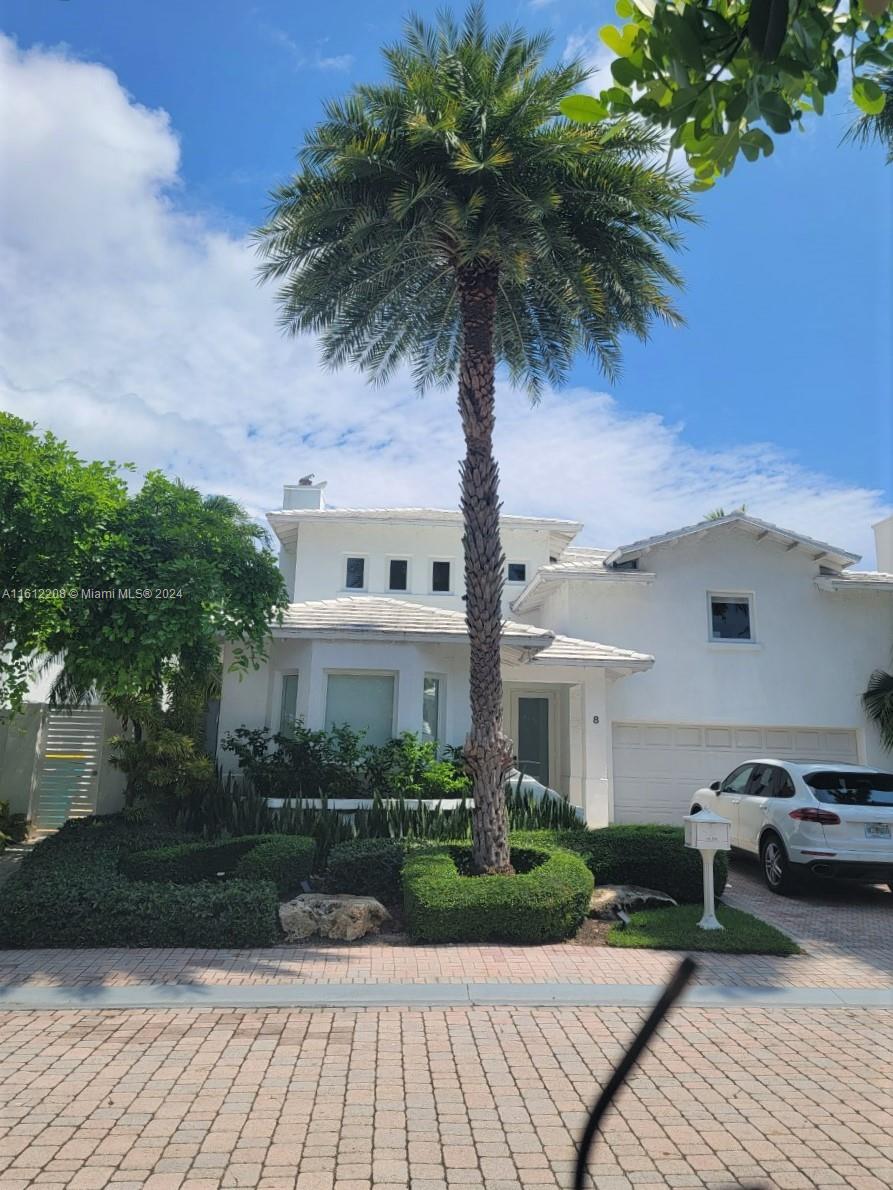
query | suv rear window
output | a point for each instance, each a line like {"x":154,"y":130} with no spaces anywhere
{"x":852,"y":789}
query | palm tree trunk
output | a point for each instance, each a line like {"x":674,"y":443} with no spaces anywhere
{"x":487,"y":751}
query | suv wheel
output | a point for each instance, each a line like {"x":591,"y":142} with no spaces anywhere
{"x":777,"y":871}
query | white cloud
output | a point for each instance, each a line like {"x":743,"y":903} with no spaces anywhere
{"x":299,"y":58}
{"x":596,"y":55}
{"x":137,"y":332}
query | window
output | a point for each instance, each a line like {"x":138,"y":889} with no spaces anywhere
{"x":730,"y":617}
{"x":431,"y":706}
{"x":355,"y":574}
{"x":440,"y":577}
{"x":761,"y":782}
{"x":852,"y":789}
{"x":517,"y":572}
{"x":288,"y":704}
{"x":782,"y":785}
{"x":398,"y":574}
{"x":365,"y":702}
{"x":736,"y":782}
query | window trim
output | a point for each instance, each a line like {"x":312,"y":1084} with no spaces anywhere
{"x":732,"y":597}
{"x":352,"y":672}
{"x":364,"y":558}
{"x":516,"y":582}
{"x":440,"y":733}
{"x":399,"y":558}
{"x":451,"y":562}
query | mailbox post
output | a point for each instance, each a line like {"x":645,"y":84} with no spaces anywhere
{"x":708,"y":833}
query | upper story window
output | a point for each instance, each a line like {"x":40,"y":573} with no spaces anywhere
{"x":440,"y":577}
{"x":731,"y":617}
{"x":355,"y":574}
{"x":398,"y":574}
{"x":516,"y":572}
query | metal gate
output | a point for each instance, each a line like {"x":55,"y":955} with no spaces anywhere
{"x":70,"y":757}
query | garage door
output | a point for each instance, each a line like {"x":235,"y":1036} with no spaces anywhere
{"x":657,"y":766}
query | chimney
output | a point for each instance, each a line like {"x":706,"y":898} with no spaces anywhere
{"x":304,"y":494}
{"x":883,"y":544}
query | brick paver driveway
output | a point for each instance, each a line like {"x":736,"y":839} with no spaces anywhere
{"x":431,"y":1099}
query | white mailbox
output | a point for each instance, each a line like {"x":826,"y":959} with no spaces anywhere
{"x":708,"y":833}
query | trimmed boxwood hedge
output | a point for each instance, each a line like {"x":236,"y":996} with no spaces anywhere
{"x":69,"y":892}
{"x":287,"y":860}
{"x":545,"y":901}
{"x":650,"y":855}
{"x":367,"y":868}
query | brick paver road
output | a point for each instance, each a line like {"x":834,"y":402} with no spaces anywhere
{"x":435,"y":1099}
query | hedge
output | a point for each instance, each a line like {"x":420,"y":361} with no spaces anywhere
{"x":650,"y":855}
{"x":287,"y":860}
{"x":367,"y":868}
{"x":69,"y":892}
{"x":545,"y":901}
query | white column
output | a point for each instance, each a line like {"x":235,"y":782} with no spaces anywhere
{"x":596,"y":791}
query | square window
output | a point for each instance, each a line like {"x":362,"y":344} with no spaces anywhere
{"x":730,"y":617}
{"x":517,"y":572}
{"x":440,"y":577}
{"x":364,"y":702}
{"x":355,"y":574}
{"x":398,"y":574}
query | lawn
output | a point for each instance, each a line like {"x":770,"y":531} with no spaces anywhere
{"x":677,"y":929}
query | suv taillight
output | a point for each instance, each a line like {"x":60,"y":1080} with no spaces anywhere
{"x":814,"y":814}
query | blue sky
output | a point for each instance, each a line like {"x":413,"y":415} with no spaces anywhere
{"x":787,"y":345}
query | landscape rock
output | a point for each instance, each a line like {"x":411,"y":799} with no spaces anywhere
{"x":609,"y":900}
{"x":331,"y":915}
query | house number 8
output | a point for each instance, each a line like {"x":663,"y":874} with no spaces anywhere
{"x":595,"y":718}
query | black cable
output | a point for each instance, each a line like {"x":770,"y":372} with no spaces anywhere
{"x":670,"y":994}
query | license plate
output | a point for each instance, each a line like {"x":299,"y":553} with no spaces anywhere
{"x":877,"y":830}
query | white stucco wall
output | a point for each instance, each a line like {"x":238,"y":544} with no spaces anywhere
{"x":813,"y":654}
{"x":323,"y":547}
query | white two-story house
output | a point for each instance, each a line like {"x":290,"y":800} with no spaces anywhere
{"x":632,"y":674}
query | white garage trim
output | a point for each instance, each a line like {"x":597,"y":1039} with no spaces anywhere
{"x":657,"y":766}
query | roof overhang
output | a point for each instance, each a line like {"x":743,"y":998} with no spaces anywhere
{"x":537,"y":590}
{"x":820,"y":551}
{"x":868,"y":581}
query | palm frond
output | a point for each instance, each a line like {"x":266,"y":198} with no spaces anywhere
{"x":878,"y":703}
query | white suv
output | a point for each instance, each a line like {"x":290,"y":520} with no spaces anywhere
{"x":802,"y":816}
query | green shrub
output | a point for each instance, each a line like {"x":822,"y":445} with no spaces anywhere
{"x":100,"y":909}
{"x":544,"y":902}
{"x":367,"y":868}
{"x":287,"y":860}
{"x":69,"y":892}
{"x":650,"y":855}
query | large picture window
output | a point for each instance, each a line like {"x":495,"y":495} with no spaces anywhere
{"x":364,"y":702}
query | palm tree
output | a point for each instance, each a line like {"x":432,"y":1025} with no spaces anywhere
{"x":877,"y":128}
{"x":449,"y":219}
{"x":878,"y":703}
{"x":719,"y":513}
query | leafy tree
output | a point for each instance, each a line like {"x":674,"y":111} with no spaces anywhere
{"x":716,"y":74}
{"x":449,"y":219}
{"x":877,"y":126}
{"x":57,"y":518}
{"x":132,"y":594}
{"x":878,"y":703}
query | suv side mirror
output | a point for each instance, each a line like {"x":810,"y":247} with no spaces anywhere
{"x":715,"y":786}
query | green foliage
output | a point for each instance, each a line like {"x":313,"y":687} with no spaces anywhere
{"x":460,"y":158}
{"x":877,"y":125}
{"x":653,"y":856}
{"x":13,"y":827}
{"x":286,"y":860}
{"x":717,"y":73}
{"x":303,"y":763}
{"x":545,"y":901}
{"x":408,"y":767}
{"x":57,"y":524}
{"x":676,"y":928}
{"x":367,"y":868}
{"x":878,"y":703}
{"x":69,"y":892}
{"x":163,"y":768}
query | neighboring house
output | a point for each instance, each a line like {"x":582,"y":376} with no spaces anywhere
{"x":632,"y":675}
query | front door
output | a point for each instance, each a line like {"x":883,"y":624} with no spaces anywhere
{"x":532,"y":715}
